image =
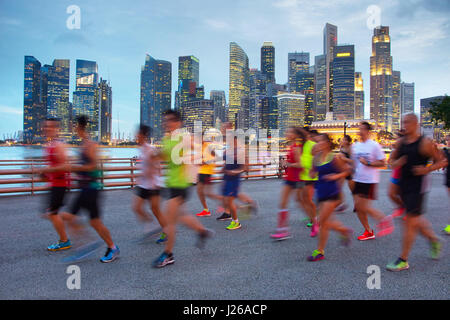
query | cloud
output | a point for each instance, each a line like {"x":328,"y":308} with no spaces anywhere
{"x":10,"y":110}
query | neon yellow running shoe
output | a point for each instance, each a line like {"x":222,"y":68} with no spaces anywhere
{"x":447,"y":230}
{"x":234,"y":225}
{"x":435,"y":249}
{"x":398,"y":265}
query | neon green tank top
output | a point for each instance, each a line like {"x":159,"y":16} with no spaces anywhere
{"x":306,"y":161}
{"x":176,"y":176}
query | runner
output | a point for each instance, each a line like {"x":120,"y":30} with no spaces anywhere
{"x":294,"y":138}
{"x":204,"y":179}
{"x":345,"y":153}
{"x":177,"y":183}
{"x":306,"y":186}
{"x":368,"y":158}
{"x":58,"y":179}
{"x":88,"y":198}
{"x":149,"y":183}
{"x":412,"y":155}
{"x":447,"y":176}
{"x":394,"y":188}
{"x":330,"y":169}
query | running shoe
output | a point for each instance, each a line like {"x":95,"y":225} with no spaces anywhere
{"x":224,"y":216}
{"x":203,"y":236}
{"x":397,"y":213}
{"x":314,"y":230}
{"x":398,"y":265}
{"x":60,"y":246}
{"x":346,"y":239}
{"x":309,"y":224}
{"x":204,"y":213}
{"x":220,"y":210}
{"x":110,"y":255}
{"x":366,"y":236}
{"x":281,"y":235}
{"x":447,"y":230}
{"x":163,"y":260}
{"x":385,"y":227}
{"x":316,"y":256}
{"x":435,"y":250}
{"x":162,"y":238}
{"x":234,"y":225}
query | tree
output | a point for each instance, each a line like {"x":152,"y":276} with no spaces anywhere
{"x":440,"y":112}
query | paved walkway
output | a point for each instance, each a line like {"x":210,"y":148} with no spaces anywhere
{"x":241,"y":264}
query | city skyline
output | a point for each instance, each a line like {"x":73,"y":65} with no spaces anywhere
{"x":415,"y":33}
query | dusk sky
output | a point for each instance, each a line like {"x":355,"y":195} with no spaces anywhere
{"x":118,"y":35}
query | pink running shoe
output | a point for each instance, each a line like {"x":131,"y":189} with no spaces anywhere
{"x":397,"y":213}
{"x":385,"y":227}
{"x":314,"y":230}
{"x":281,"y":235}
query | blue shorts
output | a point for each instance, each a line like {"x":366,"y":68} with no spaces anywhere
{"x":231,"y":188}
{"x":395,"y":181}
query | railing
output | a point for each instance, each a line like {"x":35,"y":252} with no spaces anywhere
{"x":117,"y":173}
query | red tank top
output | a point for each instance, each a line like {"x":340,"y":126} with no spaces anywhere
{"x":292,"y":174}
{"x":59,"y":178}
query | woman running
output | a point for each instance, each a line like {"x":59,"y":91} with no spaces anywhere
{"x":346,"y":156}
{"x":291,"y":181}
{"x":330,"y":169}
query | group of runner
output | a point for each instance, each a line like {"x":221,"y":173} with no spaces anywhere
{"x":314,"y":173}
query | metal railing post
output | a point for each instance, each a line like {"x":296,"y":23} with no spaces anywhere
{"x":32,"y":178}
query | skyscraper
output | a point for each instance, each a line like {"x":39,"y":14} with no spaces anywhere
{"x":305,"y":85}
{"x":428,"y":127}
{"x":198,"y":110}
{"x":85,"y":97}
{"x":34,"y":110}
{"x":396,"y":110}
{"x":297,"y":62}
{"x":156,"y":93}
{"x":407,"y":97}
{"x":188,"y":79}
{"x":219,"y":102}
{"x":329,"y":42}
{"x":381,"y":79}
{"x":105,"y":107}
{"x":268,"y":61}
{"x":258,"y":82}
{"x":343,"y":82}
{"x":320,"y":88}
{"x":359,"y":96}
{"x":238,"y":80}
{"x":291,"y":111}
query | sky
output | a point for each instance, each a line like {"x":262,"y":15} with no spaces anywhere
{"x":118,"y":34}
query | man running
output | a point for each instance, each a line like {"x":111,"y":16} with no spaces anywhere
{"x":412,"y":155}
{"x":447,"y":176}
{"x":149,"y":182}
{"x":394,"y":188}
{"x":177,"y":183}
{"x":368,"y":158}
{"x":58,"y":177}
{"x":88,"y":198}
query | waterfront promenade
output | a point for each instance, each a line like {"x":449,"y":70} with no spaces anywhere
{"x":240,"y":264}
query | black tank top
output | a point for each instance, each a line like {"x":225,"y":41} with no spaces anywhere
{"x":409,"y":182}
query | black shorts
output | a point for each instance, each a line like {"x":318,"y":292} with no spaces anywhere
{"x":146,"y":193}
{"x":413,"y":203}
{"x":293,"y":184}
{"x":88,"y":199}
{"x":365,"y":190}
{"x":178,"y":192}
{"x":304,"y":183}
{"x":333,"y":197}
{"x":204,"y":178}
{"x":56,"y":199}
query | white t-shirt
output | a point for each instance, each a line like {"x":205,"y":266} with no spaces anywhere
{"x":370,"y":151}
{"x":150,"y":177}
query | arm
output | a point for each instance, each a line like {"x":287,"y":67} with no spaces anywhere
{"x":62,"y":159}
{"x":381,"y":159}
{"x":429,"y":149}
{"x":93,"y":155}
{"x":343,"y":168}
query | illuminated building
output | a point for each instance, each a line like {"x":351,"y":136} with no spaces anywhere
{"x":329,"y":43}
{"x":268,"y":61}
{"x":406,"y":98}
{"x":219,"y":101}
{"x":239,"y":86}
{"x":298,"y":62}
{"x":105,"y":107}
{"x":258,"y":91}
{"x":359,"y":96}
{"x":337,"y":128}
{"x":188,"y":79}
{"x":197,"y":110}
{"x":343,"y":70}
{"x":304,"y":84}
{"x":428,"y":127}
{"x":156,"y":93}
{"x":320,"y":88}
{"x":396,"y":110}
{"x":291,"y":111}
{"x":381,"y":79}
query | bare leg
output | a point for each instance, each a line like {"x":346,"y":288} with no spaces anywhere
{"x":102,"y":231}
{"x":409,"y":235}
{"x":138,"y":208}
{"x":58,"y":224}
{"x":361,"y":205}
{"x":173,"y":206}
{"x":326,"y":209}
{"x":154,"y":204}
{"x":201,"y":195}
{"x":394,"y":195}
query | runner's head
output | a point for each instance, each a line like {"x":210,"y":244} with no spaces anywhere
{"x":143,"y":134}
{"x":81,"y":127}
{"x":314,"y":134}
{"x":364,"y":130}
{"x":294,"y":133}
{"x":410,"y":123}
{"x":51,"y":128}
{"x":324,"y":143}
{"x":346,"y":141}
{"x":172,"y":120}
